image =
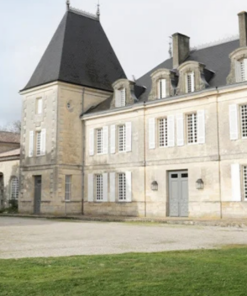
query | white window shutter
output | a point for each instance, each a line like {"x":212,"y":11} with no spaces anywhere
{"x":233,"y":121}
{"x":236,"y":187}
{"x":128,"y":136}
{"x":159,"y":89}
{"x":123,"y":97}
{"x":112,"y":187}
{"x":113,"y":139}
{"x":43,"y":142}
{"x":171,"y":131}
{"x":245,"y":69}
{"x":105,"y":140}
{"x":151,"y":133}
{"x":128,"y":187}
{"x":31,"y":139}
{"x":91,"y":141}
{"x":163,"y":83}
{"x":90,"y":187}
{"x":105,"y":187}
{"x":192,"y":81}
{"x":117,"y":98}
{"x":238,"y":71}
{"x":180,"y":129}
{"x":201,"y":126}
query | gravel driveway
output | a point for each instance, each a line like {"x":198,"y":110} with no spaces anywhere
{"x":21,"y":237}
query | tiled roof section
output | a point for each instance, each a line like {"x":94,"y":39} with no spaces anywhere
{"x":79,"y":53}
{"x":215,"y":58}
{"x":8,"y":137}
{"x":10,"y":153}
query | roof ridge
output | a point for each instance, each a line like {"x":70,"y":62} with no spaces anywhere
{"x":217,"y":42}
{"x":84,"y":13}
{"x":65,"y":27}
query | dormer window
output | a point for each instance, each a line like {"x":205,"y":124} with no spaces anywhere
{"x":241,"y":70}
{"x":162,"y":88}
{"x":120,"y":97}
{"x":190,"y":82}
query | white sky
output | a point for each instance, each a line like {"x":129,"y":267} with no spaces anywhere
{"x":138,"y":30}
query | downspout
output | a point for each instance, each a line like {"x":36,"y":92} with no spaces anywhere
{"x":144,"y":160}
{"x":219,"y":158}
{"x":83,"y":156}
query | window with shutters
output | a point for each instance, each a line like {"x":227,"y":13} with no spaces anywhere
{"x":245,"y":182}
{"x":14,"y":188}
{"x":99,"y":187}
{"x":38,"y":143}
{"x":120,"y":100}
{"x":99,"y":138}
{"x":192,"y":128}
{"x":122,"y":187}
{"x":163,"y":137}
{"x":161,"y":88}
{"x":243,"y":110}
{"x":190,"y":82}
{"x":121,"y":138}
{"x":68,"y":187}
{"x":39,"y":106}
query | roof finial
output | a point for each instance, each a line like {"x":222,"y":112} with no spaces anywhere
{"x":98,"y":10}
{"x":68,"y":4}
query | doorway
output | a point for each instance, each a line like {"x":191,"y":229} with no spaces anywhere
{"x":178,"y":194}
{"x":37,"y":194}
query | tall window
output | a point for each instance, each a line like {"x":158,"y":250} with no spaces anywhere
{"x":163,"y":139}
{"x":99,"y":134}
{"x":242,"y":70}
{"x":192,"y":128}
{"x":14,"y":188}
{"x":121,"y":187}
{"x":120,"y":97}
{"x":67,"y":187}
{"x":99,"y":187}
{"x":244,"y":120}
{"x":190,"y":83}
{"x":123,"y":97}
{"x":245,"y":182}
{"x":39,"y":106}
{"x":38,"y":143}
{"x":161,"y":88}
{"x":122,"y":138}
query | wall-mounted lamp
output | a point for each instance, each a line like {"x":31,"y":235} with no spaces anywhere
{"x":154,"y":186}
{"x":199,"y":184}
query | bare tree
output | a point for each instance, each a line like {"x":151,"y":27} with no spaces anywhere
{"x":14,"y":127}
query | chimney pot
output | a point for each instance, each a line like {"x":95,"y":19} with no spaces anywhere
{"x":181,"y":48}
{"x":242,"y":17}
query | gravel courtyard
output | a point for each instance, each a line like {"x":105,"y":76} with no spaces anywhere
{"x":21,"y":237}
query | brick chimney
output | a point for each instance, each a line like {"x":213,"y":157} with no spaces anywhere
{"x":242,"y":17}
{"x":181,"y":48}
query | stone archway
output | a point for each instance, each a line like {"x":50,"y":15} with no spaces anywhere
{"x":1,"y":190}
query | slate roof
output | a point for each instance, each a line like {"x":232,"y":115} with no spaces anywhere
{"x":215,"y":58}
{"x":79,"y":53}
{"x":8,"y":137}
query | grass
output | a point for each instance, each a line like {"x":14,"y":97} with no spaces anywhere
{"x":192,"y":273}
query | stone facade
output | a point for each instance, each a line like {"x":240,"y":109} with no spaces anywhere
{"x":96,"y":158}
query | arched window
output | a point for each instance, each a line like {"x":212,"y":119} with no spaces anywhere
{"x":14,"y":188}
{"x":162,"y":89}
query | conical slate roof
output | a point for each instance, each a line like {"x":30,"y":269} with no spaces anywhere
{"x":79,"y":53}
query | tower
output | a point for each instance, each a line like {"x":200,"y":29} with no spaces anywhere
{"x":75,"y":73}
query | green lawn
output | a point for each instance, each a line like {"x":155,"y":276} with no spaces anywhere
{"x":207,"y":272}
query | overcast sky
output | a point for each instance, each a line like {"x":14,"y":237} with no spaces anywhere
{"x":138,"y":30}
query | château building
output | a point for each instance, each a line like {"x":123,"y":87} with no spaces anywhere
{"x":173,"y":143}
